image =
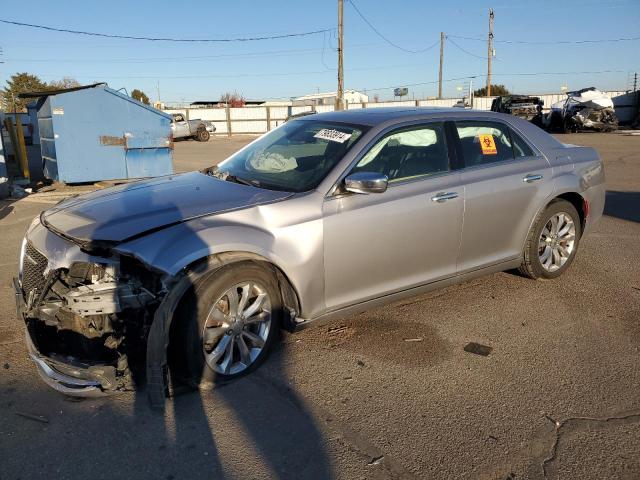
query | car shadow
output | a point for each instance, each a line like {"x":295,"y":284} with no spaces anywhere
{"x":623,"y":205}
{"x":5,"y":208}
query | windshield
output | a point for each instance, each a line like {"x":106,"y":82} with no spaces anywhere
{"x":294,"y":157}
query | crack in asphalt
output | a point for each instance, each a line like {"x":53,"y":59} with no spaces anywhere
{"x":559,"y":425}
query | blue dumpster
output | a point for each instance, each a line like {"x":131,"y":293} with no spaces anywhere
{"x":94,"y":133}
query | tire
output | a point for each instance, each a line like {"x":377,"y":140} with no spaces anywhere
{"x":548,"y":250}
{"x":203,"y":135}
{"x":192,"y":356}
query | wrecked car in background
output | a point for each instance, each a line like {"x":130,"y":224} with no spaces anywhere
{"x":586,"y":109}
{"x":522,"y":106}
{"x":191,"y":276}
{"x":197,"y":129}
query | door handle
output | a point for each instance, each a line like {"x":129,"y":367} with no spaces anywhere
{"x":443,"y":197}
{"x":531,"y":178}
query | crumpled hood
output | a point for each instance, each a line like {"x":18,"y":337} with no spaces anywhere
{"x":119,"y":213}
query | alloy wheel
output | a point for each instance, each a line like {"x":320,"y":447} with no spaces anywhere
{"x":236,"y":328}
{"x":557,"y":241}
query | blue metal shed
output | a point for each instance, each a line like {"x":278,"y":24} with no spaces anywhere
{"x":95,"y":133}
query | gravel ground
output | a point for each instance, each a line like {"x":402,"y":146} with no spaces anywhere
{"x":559,"y":394}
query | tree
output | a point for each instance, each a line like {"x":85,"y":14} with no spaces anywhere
{"x":140,"y":96}
{"x":496,"y":90}
{"x":66,"y":82}
{"x":234,"y":99}
{"x":20,"y":83}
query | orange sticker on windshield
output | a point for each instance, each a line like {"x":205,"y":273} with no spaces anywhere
{"x":487,"y":145}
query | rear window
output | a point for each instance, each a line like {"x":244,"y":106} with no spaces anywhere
{"x":489,"y":142}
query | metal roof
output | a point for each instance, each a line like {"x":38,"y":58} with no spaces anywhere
{"x":47,"y":93}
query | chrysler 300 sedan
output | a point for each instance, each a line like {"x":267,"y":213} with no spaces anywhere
{"x":192,"y":276}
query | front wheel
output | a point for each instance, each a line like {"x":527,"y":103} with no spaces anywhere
{"x":227,"y":324}
{"x":552,"y":242}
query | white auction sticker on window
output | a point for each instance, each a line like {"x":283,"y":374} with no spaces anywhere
{"x":333,"y":135}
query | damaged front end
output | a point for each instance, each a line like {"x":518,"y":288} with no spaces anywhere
{"x":585,"y":118}
{"x":87,"y":323}
{"x":589,"y":109}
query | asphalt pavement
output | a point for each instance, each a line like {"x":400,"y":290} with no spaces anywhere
{"x":386,"y":394}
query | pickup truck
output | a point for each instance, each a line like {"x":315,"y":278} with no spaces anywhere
{"x":196,"y":129}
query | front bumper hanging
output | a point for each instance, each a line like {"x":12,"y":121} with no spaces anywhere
{"x":73,"y":380}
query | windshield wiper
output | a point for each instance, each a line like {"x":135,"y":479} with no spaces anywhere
{"x":229,"y":177}
{"x":232,"y":178}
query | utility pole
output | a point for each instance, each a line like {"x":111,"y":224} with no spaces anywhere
{"x":340,"y":95}
{"x":442,"y":37}
{"x":635,"y":81}
{"x":490,"y":52}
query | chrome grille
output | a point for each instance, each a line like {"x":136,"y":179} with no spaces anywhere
{"x":33,"y":267}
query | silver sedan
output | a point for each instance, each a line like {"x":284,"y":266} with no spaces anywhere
{"x":327,"y":215}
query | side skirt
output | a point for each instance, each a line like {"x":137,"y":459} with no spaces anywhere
{"x":302,"y":323}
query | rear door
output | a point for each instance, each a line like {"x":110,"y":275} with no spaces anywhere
{"x":506,"y":181}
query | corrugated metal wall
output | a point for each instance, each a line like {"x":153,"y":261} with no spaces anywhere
{"x":253,"y":120}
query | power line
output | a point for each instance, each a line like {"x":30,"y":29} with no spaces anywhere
{"x":240,"y":75}
{"x":496,"y":74}
{"x":420,"y":83}
{"x":166,"y":39}
{"x":385,"y":38}
{"x":559,"y":73}
{"x":556,"y":42}
{"x":465,"y":51}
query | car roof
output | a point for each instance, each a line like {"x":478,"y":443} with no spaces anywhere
{"x":383,"y":117}
{"x":377,"y":116}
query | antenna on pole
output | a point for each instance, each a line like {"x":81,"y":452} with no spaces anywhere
{"x":489,"y":52}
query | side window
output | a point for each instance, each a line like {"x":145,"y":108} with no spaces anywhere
{"x":178,"y":118}
{"x":407,"y":153}
{"x":520,"y":148}
{"x":484,"y":142}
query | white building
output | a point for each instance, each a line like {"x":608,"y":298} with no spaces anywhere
{"x":329,"y":98}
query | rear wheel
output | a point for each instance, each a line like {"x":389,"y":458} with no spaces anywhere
{"x":227,"y":324}
{"x":203,"y":135}
{"x":552,"y":242}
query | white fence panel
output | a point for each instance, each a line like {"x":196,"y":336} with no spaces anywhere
{"x":404,"y":103}
{"x":254,"y":119}
{"x":209,"y":114}
{"x":183,"y":111}
{"x":249,"y":126}
{"x":300,"y":109}
{"x":442,"y":103}
{"x":248,"y":113}
{"x":482,"y":103}
{"x":279,"y":113}
{"x":324,"y":108}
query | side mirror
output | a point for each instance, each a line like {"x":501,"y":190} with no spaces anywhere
{"x":366,"y":182}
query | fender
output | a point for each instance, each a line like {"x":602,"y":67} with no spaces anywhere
{"x":159,"y":333}
{"x":296,"y":253}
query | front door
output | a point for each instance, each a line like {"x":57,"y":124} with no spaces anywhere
{"x":380,"y":243}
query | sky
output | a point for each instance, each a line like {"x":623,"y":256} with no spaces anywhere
{"x":180,"y":72}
